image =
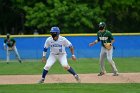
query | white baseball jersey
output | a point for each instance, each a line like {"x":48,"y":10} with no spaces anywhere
{"x":58,"y":46}
{"x":57,"y":50}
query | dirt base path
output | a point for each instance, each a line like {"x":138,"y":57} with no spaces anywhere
{"x":67,"y":78}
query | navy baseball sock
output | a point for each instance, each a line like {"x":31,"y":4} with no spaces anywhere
{"x":44,"y":73}
{"x":71,"y":71}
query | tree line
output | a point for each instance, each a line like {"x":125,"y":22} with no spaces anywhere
{"x":72,"y":16}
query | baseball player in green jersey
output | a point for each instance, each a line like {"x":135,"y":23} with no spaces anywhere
{"x":9,"y":46}
{"x":107,"y":41}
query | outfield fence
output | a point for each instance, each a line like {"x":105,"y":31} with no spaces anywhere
{"x":31,"y":46}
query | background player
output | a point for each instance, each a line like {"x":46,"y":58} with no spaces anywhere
{"x":107,"y":41}
{"x":10,"y":46}
{"x":57,"y":46}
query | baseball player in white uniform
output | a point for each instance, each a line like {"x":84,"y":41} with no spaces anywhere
{"x":57,"y":46}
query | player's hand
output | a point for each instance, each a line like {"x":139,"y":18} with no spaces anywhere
{"x":73,"y":57}
{"x":44,"y":59}
{"x":91,"y":44}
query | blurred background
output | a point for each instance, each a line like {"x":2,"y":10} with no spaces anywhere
{"x":29,"y":22}
{"x":72,"y":16}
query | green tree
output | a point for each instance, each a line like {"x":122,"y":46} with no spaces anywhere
{"x":122,"y":15}
{"x":9,"y":18}
{"x":70,"y":15}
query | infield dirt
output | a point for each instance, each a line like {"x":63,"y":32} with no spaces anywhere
{"x":68,"y":78}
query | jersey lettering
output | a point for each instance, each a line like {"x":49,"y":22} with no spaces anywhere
{"x":56,"y":45}
{"x":103,"y":38}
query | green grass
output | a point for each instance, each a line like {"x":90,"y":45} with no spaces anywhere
{"x":71,"y":88}
{"x":80,"y":66}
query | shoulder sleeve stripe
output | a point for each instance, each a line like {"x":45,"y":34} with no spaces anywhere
{"x":70,"y":45}
{"x":45,"y":49}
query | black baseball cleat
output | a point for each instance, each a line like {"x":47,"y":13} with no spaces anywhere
{"x":77,"y":78}
{"x":41,"y":81}
{"x":101,"y":73}
{"x":115,"y":74}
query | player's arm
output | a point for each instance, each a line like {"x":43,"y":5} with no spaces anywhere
{"x":44,"y":54}
{"x":45,"y":51}
{"x":72,"y":52}
{"x":67,"y":43}
{"x":4,"y":44}
{"x":93,"y":43}
{"x":112,"y":41}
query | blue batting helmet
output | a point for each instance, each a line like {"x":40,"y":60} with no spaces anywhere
{"x":55,"y":29}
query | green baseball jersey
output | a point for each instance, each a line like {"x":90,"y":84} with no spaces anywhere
{"x":9,"y":42}
{"x":104,"y":37}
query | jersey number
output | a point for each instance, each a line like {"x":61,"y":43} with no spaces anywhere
{"x":60,"y":50}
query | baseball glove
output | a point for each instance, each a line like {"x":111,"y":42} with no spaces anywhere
{"x":44,"y":59}
{"x":108,"y":45}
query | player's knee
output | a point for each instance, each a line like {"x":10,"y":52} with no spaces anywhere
{"x":109,"y":59}
{"x":66,"y":67}
{"x":47,"y":67}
